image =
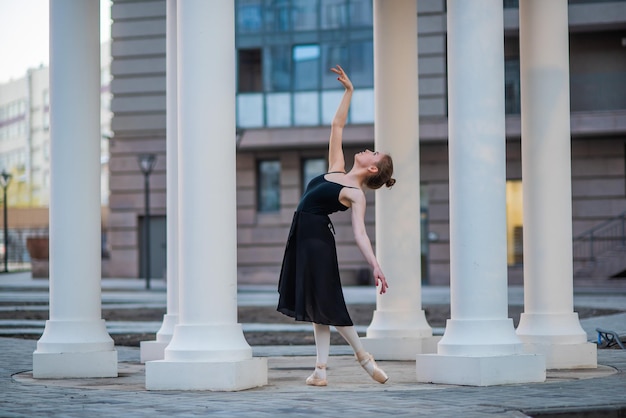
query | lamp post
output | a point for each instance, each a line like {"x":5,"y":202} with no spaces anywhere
{"x":5,"y":179}
{"x":146,"y":164}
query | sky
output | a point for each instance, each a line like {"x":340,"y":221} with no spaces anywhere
{"x":24,"y":35}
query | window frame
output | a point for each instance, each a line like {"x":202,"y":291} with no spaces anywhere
{"x":261,"y":194}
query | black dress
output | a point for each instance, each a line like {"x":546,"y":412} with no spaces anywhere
{"x":309,"y":285}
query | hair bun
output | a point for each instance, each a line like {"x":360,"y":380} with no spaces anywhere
{"x":390,"y":182}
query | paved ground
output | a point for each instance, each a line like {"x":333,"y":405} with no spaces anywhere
{"x":350,"y":391}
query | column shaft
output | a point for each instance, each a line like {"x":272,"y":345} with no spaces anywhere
{"x":75,"y":341}
{"x":396,"y":131}
{"x":479,"y":338}
{"x":208,"y":245}
{"x":398,"y":312}
{"x":154,"y":350}
{"x":208,"y":349}
{"x":548,"y":316}
{"x":477,"y":161}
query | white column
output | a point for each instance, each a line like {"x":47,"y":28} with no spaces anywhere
{"x":75,"y":342}
{"x":208,"y":350}
{"x":154,"y":350}
{"x":399,"y":329}
{"x":548,"y":325}
{"x":479,"y":346}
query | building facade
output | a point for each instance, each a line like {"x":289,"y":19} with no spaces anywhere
{"x":25,"y":154}
{"x":286,"y":99}
{"x":25,"y":134}
{"x":24,"y":137}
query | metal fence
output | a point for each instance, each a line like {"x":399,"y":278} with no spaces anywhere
{"x":18,"y":256}
{"x":599,"y":241}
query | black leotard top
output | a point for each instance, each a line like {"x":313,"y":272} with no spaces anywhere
{"x":321,"y":197}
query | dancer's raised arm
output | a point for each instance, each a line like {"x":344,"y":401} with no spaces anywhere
{"x":336,"y":161}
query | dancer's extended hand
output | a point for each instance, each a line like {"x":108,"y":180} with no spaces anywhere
{"x":343,"y":77}
{"x":379,"y":278}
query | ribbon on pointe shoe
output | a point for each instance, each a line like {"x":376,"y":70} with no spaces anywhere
{"x":315,"y":379}
{"x":367,"y":362}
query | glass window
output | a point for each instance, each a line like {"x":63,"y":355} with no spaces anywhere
{"x":249,"y":16}
{"x":278,"y":68}
{"x":333,"y":14}
{"x":361,"y":68}
{"x":306,"y":65}
{"x":250,"y":110}
{"x":330,"y":100}
{"x":268,"y":192}
{"x":277,"y":15}
{"x":512,"y":86}
{"x":362,"y":109}
{"x":332,"y":55}
{"x":425,"y":234}
{"x":361,"y":13}
{"x":46,"y":120}
{"x":306,"y":108}
{"x":311,"y":168}
{"x":250,"y":78}
{"x":278,"y":109}
{"x":304,"y":14}
{"x":514,"y":222}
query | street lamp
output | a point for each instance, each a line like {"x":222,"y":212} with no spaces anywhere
{"x":5,"y":179}
{"x":146,"y":164}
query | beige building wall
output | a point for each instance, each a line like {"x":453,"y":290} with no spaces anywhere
{"x":138,"y":86}
{"x":137,"y":125}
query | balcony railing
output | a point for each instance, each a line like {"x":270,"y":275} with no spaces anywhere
{"x":600,"y":242}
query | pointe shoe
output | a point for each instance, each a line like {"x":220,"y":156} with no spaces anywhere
{"x":315,"y":379}
{"x":367,"y":362}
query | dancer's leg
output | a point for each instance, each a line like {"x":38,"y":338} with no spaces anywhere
{"x":364,"y":358}
{"x":322,"y":342}
{"x":322,"y":346}
{"x":352,"y":337}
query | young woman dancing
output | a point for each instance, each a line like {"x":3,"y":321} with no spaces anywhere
{"x":309,"y":285}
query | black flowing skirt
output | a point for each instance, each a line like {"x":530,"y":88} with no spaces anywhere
{"x":309,"y":285}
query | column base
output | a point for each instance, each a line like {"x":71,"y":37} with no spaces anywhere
{"x":480,"y":371}
{"x":480,"y":338}
{"x":74,"y":365}
{"x":563,"y":328}
{"x":566,"y":356}
{"x":208,"y":343}
{"x":152,"y":350}
{"x":155,"y":350}
{"x":399,"y":324}
{"x":402,"y":349}
{"x":213,"y":376}
{"x":69,"y":349}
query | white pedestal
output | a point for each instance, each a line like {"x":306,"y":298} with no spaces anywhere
{"x":480,"y":371}
{"x":69,"y":349}
{"x":152,"y":350}
{"x":560,"y":338}
{"x":75,"y":365}
{"x":214,"y":376}
{"x":155,"y":350}
{"x":566,"y":356}
{"x":401,"y":349}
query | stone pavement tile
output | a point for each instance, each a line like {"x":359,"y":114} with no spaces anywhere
{"x":350,"y":392}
